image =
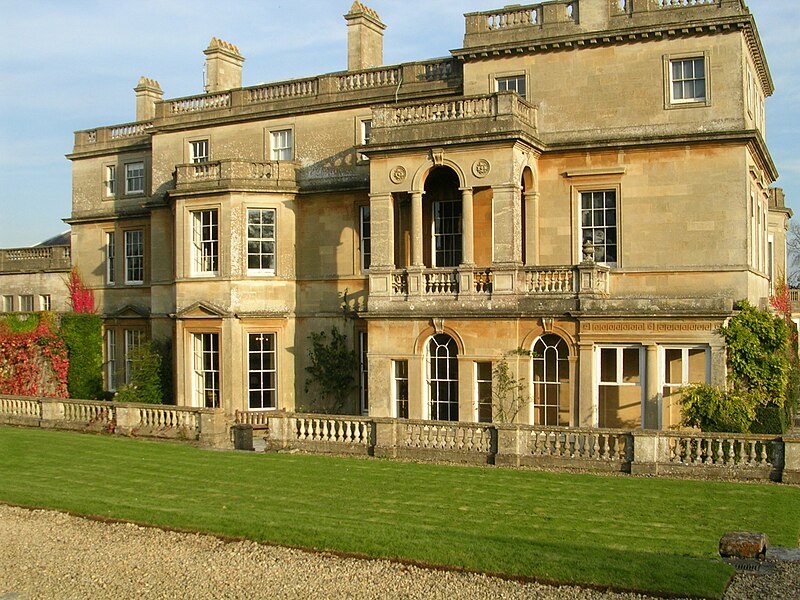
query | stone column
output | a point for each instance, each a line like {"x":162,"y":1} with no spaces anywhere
{"x":531,"y":232}
{"x":416,"y":229}
{"x":507,"y":224}
{"x":416,"y":387}
{"x":586,"y":412}
{"x":574,"y":395}
{"x":381,"y":209}
{"x":651,"y":416}
{"x":468,"y":228}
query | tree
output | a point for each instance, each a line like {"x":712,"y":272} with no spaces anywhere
{"x":331,"y":370}
{"x":509,"y":393}
{"x":793,"y":254}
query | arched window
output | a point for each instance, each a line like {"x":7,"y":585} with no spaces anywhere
{"x":443,"y":378}
{"x":551,"y":386}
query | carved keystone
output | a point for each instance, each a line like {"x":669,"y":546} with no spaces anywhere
{"x":740,"y":544}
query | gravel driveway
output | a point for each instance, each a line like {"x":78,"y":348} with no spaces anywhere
{"x":46,"y":555}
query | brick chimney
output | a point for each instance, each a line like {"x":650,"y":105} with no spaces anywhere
{"x":148,"y":92}
{"x":223,"y":66}
{"x":364,"y":38}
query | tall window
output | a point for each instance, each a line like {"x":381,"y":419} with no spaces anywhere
{"x":688,"y":80}
{"x":8,"y":304}
{"x":44,"y":302}
{"x":680,"y":367}
{"x":281,"y":147}
{"x":400,"y":368}
{"x":205,"y":242}
{"x":620,"y":387}
{"x":199,"y":151}
{"x":515,"y":83}
{"x":447,"y":233}
{"x":599,"y":224}
{"x":111,"y":360}
{"x":111,"y":180}
{"x":550,"y":381}
{"x":134,"y":257}
{"x":261,"y":240}
{"x":483,"y":387}
{"x":363,"y":372}
{"x":134,"y":178}
{"x":111,"y":269}
{"x":206,"y":369}
{"x":365,"y":230}
{"x":133,"y":339}
{"x":262,"y":374}
{"x":443,"y":378}
{"x":365,"y":135}
{"x":26,"y":303}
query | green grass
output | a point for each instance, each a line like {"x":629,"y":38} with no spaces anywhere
{"x":653,"y":535}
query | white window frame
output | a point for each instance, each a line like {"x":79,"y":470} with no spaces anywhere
{"x":281,"y":144}
{"x":26,"y":303}
{"x":262,"y":392}
{"x":662,"y":375}
{"x":482,"y":380}
{"x":365,"y":236}
{"x":536,"y":358}
{"x":581,"y":227}
{"x":447,"y":379}
{"x":134,"y":263}
{"x":436,"y":232}
{"x":205,"y":345}
{"x":111,"y":252}
{"x":400,"y":388}
{"x":269,"y":271}
{"x":363,"y":372}
{"x":619,"y":379}
{"x":133,"y":338}
{"x":510,"y":82}
{"x":670,"y":101}
{"x":134,"y":178}
{"x":45,"y":303}
{"x":364,"y":135}
{"x":8,"y":303}
{"x":205,"y":242}
{"x":111,"y":360}
{"x":110,"y":182}
{"x":199,"y":151}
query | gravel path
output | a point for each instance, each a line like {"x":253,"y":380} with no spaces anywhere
{"x":46,"y":555}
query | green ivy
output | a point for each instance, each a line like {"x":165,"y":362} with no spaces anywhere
{"x":145,"y":377}
{"x":21,"y":322}
{"x":331,"y":370}
{"x":82,"y":334}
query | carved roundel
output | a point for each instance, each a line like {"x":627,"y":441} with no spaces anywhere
{"x":481,"y":168}
{"x":398,"y":174}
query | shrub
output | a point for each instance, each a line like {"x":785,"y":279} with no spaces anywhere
{"x":331,"y":370}
{"x":769,"y":419}
{"x":83,"y":337}
{"x":33,"y":359}
{"x":712,"y":409}
{"x":145,"y":384}
{"x":509,"y":394}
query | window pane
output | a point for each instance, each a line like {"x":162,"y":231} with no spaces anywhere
{"x":608,"y":364}
{"x":630,"y":365}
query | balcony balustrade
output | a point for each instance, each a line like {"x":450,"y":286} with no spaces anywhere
{"x":236,"y":174}
{"x":390,"y":287}
{"x":36,"y":259}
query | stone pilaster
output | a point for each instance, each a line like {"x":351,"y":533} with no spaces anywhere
{"x":468,"y":228}
{"x":416,"y":229}
{"x":586,"y":408}
{"x":651,"y":419}
{"x":507,"y":224}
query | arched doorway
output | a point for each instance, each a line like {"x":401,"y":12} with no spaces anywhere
{"x":442,"y":219}
{"x":551,"y":383}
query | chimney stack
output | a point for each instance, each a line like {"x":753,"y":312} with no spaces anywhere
{"x":148,"y":92}
{"x":223,"y":66}
{"x":364,"y":38}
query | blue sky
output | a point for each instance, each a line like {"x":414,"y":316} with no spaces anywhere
{"x":73,"y":65}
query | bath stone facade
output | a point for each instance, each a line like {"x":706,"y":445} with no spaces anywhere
{"x":586,"y":180}
{"x":35,"y":279}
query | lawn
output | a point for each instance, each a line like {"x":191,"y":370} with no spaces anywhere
{"x":652,"y":535}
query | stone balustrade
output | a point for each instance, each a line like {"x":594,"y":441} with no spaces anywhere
{"x":238,"y":174}
{"x":113,"y":134}
{"x":36,"y":259}
{"x":570,"y":281}
{"x":208,"y":427}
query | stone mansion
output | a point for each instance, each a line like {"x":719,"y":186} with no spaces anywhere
{"x":587,"y":180}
